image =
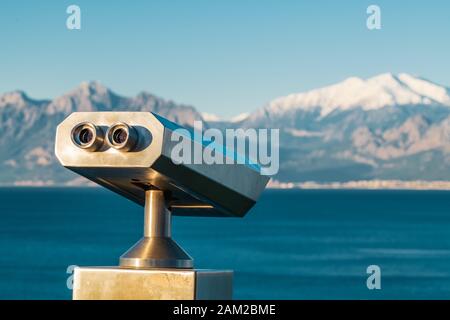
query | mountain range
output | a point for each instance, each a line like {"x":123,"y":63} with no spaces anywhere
{"x":385,"y":127}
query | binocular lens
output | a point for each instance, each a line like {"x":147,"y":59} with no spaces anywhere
{"x":87,"y":136}
{"x":122,"y":136}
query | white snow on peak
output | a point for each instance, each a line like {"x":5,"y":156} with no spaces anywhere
{"x":423,"y":87}
{"x":240,"y":117}
{"x":373,"y":93}
{"x":210,"y":117}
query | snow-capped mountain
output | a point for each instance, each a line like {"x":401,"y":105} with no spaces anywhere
{"x":385,"y":90}
{"x":378,"y":92}
{"x":385,"y":127}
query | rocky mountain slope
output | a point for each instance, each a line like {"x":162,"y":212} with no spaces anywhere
{"x":28,"y":126}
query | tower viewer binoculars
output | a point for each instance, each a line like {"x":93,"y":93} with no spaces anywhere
{"x":130,"y":154}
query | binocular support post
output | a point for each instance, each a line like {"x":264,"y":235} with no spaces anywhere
{"x":154,"y":268}
{"x":156,"y":249}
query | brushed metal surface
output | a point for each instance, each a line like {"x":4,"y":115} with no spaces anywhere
{"x":109,"y":283}
{"x":156,"y":249}
{"x":196,"y":189}
{"x":213,"y":285}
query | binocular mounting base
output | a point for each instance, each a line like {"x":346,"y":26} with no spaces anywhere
{"x":156,"y":249}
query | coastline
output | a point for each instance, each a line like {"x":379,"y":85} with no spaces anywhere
{"x":365,"y":185}
{"x":275,"y":184}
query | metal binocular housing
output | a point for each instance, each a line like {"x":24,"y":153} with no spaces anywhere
{"x":130,"y":154}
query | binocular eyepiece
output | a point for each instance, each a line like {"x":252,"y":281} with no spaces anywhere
{"x":90,"y":137}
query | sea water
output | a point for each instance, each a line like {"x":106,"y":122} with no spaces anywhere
{"x":294,"y":244}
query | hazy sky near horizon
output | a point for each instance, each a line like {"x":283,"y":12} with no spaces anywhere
{"x":223,"y":57}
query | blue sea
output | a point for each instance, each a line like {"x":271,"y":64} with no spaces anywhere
{"x":294,"y":244}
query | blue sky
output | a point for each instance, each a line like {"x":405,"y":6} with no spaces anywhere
{"x":223,"y":57}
